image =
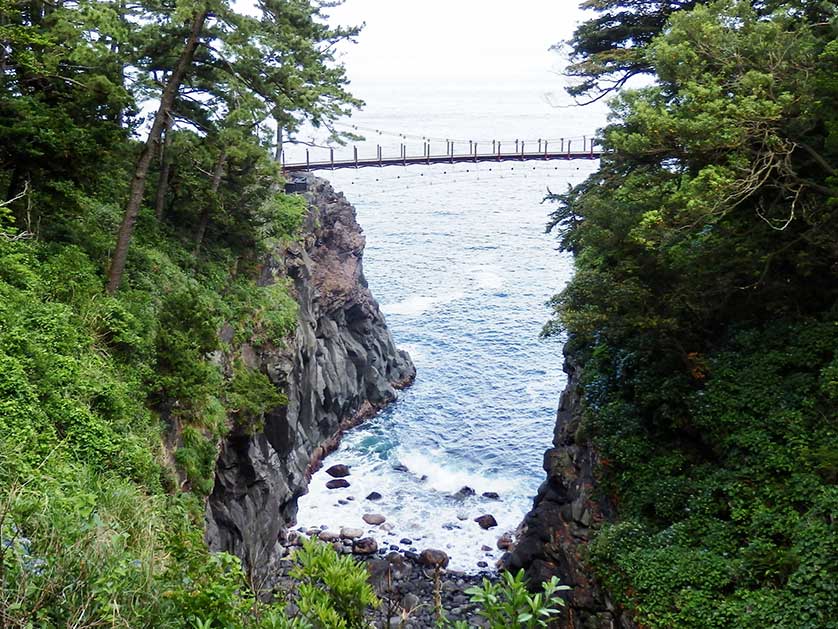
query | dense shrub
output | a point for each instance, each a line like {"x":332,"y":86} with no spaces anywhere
{"x":703,"y":310}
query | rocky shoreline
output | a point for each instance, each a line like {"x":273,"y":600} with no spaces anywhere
{"x":369,"y":517}
{"x":408,"y":584}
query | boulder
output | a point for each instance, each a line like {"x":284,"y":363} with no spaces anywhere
{"x":350,"y":533}
{"x":337,"y":483}
{"x":365,"y":546}
{"x":373,"y":518}
{"x":328,"y":536}
{"x":486,"y":521}
{"x":374,"y":496}
{"x":505,"y":541}
{"x":433,"y":558}
{"x":338,"y":471}
{"x":491,"y":495}
{"x":465,"y":492}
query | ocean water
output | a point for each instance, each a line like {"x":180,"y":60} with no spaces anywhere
{"x":458,"y":259}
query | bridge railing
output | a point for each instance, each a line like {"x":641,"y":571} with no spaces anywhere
{"x":347,"y":157}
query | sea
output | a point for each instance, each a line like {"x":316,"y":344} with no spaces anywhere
{"x":459,"y":261}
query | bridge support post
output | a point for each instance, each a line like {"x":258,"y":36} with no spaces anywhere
{"x":308,"y":165}
{"x":522,"y":150}
{"x":379,"y":155}
{"x":545,"y":149}
{"x":475,"y":152}
{"x":332,"y":157}
{"x":498,"y":151}
{"x":562,"y":149}
{"x":451,"y":153}
{"x":516,"y":146}
{"x":539,"y":146}
{"x":493,"y":147}
{"x":592,"y":148}
{"x":568,"y":149}
{"x":404,"y":155}
{"x":355,"y":150}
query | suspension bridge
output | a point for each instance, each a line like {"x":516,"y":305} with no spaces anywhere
{"x":464,"y":151}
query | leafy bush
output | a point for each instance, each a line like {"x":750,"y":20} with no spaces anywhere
{"x":334,"y":591}
{"x":508,"y":603}
{"x":250,"y":395}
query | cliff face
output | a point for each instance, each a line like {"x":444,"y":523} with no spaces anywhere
{"x":556,"y":531}
{"x":340,"y":367}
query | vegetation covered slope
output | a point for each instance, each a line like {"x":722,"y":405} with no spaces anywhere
{"x":704,"y":310}
{"x":111,"y":406}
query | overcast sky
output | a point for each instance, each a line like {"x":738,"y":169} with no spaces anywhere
{"x":456,"y":39}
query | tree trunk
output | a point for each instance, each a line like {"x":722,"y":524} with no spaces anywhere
{"x":203,"y":223}
{"x":165,"y":169}
{"x":278,"y":153}
{"x":138,"y":181}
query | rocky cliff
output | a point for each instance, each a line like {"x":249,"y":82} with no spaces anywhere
{"x":339,"y":368}
{"x":554,"y":534}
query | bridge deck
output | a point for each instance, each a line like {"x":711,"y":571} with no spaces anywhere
{"x":440,"y":159}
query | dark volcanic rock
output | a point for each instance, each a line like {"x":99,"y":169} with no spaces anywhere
{"x":433,"y":558}
{"x":486,"y":521}
{"x":374,"y":495}
{"x":364,"y":546}
{"x":491,"y":495}
{"x":554,"y":533}
{"x":337,"y":483}
{"x":338,"y":368}
{"x":338,"y":471}
{"x":465,"y":492}
{"x":505,"y":541}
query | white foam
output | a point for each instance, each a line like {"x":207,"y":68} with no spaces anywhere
{"x":423,"y":511}
{"x":487,"y":279}
{"x":447,"y":479}
{"x":419,"y":304}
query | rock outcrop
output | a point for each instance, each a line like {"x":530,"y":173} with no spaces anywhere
{"x":339,"y":368}
{"x":554,"y":534}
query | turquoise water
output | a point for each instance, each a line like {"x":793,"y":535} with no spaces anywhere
{"x":459,"y":261}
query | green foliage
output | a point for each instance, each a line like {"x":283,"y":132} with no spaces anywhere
{"x":608,"y":49}
{"x":88,"y":534}
{"x":196,"y":457}
{"x":508,"y":603}
{"x":703,"y":310}
{"x":334,"y":591}
{"x":250,"y":395}
{"x":91,"y":384}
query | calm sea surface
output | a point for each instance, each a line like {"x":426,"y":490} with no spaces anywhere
{"x":458,"y":259}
